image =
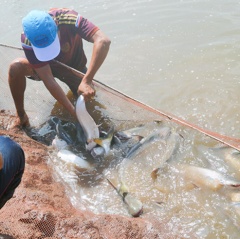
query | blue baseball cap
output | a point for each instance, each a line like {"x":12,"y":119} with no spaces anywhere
{"x":41,"y":31}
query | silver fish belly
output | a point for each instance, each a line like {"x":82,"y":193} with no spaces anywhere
{"x":69,"y":157}
{"x":90,"y":128}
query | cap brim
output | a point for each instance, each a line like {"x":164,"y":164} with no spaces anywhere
{"x":48,"y":53}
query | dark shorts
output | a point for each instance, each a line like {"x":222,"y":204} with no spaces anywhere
{"x":13,"y":168}
{"x":64,"y":75}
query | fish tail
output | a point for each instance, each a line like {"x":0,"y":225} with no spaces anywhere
{"x":235,"y":185}
{"x":154,"y":174}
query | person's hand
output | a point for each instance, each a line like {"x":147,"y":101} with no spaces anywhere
{"x":1,"y":161}
{"x":87,"y":90}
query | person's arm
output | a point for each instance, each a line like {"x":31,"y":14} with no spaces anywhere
{"x":54,"y":88}
{"x":1,"y":161}
{"x":101,"y":45}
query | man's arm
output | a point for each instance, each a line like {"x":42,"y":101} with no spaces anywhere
{"x":54,"y":88}
{"x":101,"y":45}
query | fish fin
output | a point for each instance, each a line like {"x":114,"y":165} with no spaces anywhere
{"x":115,"y":187}
{"x":235,"y":185}
{"x":139,"y":137}
{"x":123,"y":189}
{"x":122,"y":137}
{"x":158,"y":121}
{"x":111,"y":130}
{"x":133,"y":149}
{"x":98,"y":141}
{"x":181,"y":136}
{"x":112,"y":184}
{"x":154,"y":174}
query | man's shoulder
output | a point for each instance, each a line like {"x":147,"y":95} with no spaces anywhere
{"x":64,"y":16}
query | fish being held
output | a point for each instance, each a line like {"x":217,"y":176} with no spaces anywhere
{"x":134,"y":206}
{"x":89,"y":126}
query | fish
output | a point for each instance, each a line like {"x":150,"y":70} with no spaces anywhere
{"x":129,"y":133}
{"x":81,"y":137}
{"x":59,"y":144}
{"x":222,"y":157}
{"x":89,"y":126}
{"x":160,"y":134}
{"x":105,"y":142}
{"x":144,"y":141}
{"x":234,"y":196}
{"x":208,"y":178}
{"x":69,"y":157}
{"x":44,"y":138}
{"x":134,"y":205}
{"x":172,"y":146}
{"x":63,"y":134}
{"x":230,"y":156}
{"x":97,"y":152}
{"x":135,"y":131}
{"x":233,"y":159}
{"x":120,"y":138}
{"x":123,"y":140}
{"x":46,"y":132}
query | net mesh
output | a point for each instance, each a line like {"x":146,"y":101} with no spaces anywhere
{"x":41,"y":208}
{"x":34,"y":212}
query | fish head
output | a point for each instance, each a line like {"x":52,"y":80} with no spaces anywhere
{"x":134,"y":205}
{"x":97,"y":152}
{"x":59,"y":143}
{"x":105,"y":142}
